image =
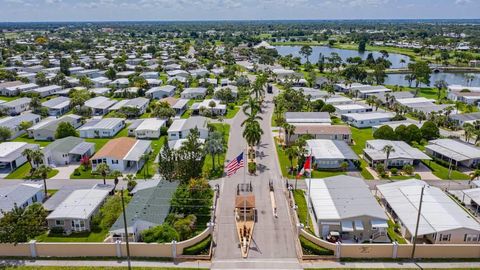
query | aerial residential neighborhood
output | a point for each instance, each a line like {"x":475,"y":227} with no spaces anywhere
{"x":239,"y":134}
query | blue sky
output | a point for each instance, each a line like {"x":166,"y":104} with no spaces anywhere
{"x":101,"y":10}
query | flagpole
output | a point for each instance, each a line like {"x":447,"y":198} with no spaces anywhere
{"x":309,"y":187}
{"x":245,"y":159}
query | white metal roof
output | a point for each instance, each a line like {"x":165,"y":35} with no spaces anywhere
{"x":454,"y":149}
{"x":330,"y":149}
{"x":369,"y":116}
{"x":80,"y":204}
{"x":401,"y":150}
{"x":439,"y":212}
{"x":151,"y":124}
{"x":343,"y":197}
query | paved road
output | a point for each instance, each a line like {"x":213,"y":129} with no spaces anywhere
{"x":59,"y":183}
{"x":273,"y":239}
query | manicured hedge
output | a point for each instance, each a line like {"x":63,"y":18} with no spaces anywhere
{"x":200,"y":248}
{"x":311,"y":248}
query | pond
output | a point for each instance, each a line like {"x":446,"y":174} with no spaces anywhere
{"x":450,"y":78}
{"x":344,"y":54}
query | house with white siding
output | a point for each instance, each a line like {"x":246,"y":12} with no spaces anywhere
{"x":102,"y":128}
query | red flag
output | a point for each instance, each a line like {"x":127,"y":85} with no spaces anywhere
{"x":307,"y":166}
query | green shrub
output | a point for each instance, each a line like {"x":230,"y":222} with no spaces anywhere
{"x":394,"y":171}
{"x":76,"y":172}
{"x":252,"y":167}
{"x":201,"y":248}
{"x":311,"y":248}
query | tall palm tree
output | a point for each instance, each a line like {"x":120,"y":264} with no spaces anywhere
{"x":252,"y":105}
{"x":103,"y":169}
{"x":43,"y":172}
{"x":214,"y":146}
{"x":292,"y":154}
{"x":28,"y":154}
{"x":252,"y":133}
{"x":387,"y":149}
{"x":116,"y":174}
{"x":289,"y":130}
{"x":37,"y":157}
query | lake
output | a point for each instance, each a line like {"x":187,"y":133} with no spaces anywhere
{"x":344,"y":54}
{"x":450,"y":78}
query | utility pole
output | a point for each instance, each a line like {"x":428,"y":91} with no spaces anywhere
{"x":418,"y":222}
{"x":126,"y":231}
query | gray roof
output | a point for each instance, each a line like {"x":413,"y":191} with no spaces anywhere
{"x":307,"y":117}
{"x":188,"y":124}
{"x":439,"y":212}
{"x":104,"y":123}
{"x":396,"y":95}
{"x":454,"y":149}
{"x":16,"y":102}
{"x":401,"y":150}
{"x":466,"y":116}
{"x":53,"y":125}
{"x":198,"y":90}
{"x":17,"y":194}
{"x":343,"y":197}
{"x":166,"y":89}
{"x":56,"y":102}
{"x":149,"y":207}
{"x":64,"y":145}
{"x":331,"y":149}
{"x":81,"y":148}
{"x":80,"y":204}
{"x":140,"y":148}
{"x":100,"y":103}
{"x":12,"y":122}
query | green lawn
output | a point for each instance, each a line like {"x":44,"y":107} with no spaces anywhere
{"x":360,"y":136}
{"x":219,"y":160}
{"x":77,"y":237}
{"x":100,"y":142}
{"x":404,"y":51}
{"x":152,"y":166}
{"x":394,"y":236}
{"x":285,"y":164}
{"x":25,"y":138}
{"x":301,"y":202}
{"x":442,"y":172}
{"x":186,"y":114}
{"x":23,"y":172}
{"x":231,"y":113}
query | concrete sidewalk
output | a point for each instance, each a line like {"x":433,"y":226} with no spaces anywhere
{"x":108,"y":264}
{"x":400,"y":265}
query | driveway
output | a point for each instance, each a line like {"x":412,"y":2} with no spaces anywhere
{"x":425,"y":173}
{"x":64,"y":172}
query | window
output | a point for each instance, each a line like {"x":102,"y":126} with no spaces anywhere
{"x":78,"y":225}
{"x":445,"y":237}
{"x":471,"y":238}
{"x":59,"y":222}
{"x":114,"y":161}
{"x":34,"y":198}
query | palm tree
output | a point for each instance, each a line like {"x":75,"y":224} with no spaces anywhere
{"x":43,"y":172}
{"x":252,"y":133}
{"x":214,"y":146}
{"x":474,"y":174}
{"x":469,"y":131}
{"x":37,"y":157}
{"x":28,"y":153}
{"x":116,"y":174}
{"x":440,"y":85}
{"x":292,"y":154}
{"x":252,"y":105}
{"x":103,"y":169}
{"x":387,"y":149}
{"x":289,"y":130}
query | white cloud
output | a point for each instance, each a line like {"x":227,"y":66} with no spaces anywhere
{"x":462,"y":2}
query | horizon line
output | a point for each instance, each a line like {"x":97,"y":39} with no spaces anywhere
{"x":244,"y":20}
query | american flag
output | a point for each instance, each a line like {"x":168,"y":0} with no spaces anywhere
{"x":234,"y":165}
